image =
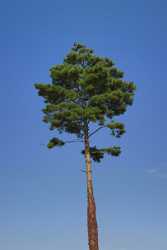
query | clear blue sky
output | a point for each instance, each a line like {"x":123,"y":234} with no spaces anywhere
{"x":42,"y":192}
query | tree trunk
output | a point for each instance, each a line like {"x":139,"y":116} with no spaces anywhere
{"x":91,"y":209}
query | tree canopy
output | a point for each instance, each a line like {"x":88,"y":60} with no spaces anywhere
{"x":86,"y":89}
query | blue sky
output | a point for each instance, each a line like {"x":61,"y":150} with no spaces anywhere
{"x":42,"y":192}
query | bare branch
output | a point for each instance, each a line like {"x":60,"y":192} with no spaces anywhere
{"x":96,"y":130}
{"x":73,"y":141}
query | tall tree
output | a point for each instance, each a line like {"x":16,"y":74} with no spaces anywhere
{"x":86,"y":90}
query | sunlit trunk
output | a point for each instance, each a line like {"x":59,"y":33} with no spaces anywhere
{"x":91,"y":209}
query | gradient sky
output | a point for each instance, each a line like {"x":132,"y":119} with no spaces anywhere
{"x":42,"y":192}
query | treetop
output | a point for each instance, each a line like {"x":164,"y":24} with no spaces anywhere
{"x":85,"y":89}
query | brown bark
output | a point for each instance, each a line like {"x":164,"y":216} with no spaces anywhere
{"x":91,"y":209}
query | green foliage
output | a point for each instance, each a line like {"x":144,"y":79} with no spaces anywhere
{"x":98,"y":154}
{"x":55,"y":142}
{"x":85,"y":88}
{"x":117,"y":128}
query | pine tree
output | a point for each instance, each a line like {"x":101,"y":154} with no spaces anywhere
{"x":86,"y":89}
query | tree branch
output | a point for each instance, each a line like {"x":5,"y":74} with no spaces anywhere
{"x":73,"y":141}
{"x":96,"y":130}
